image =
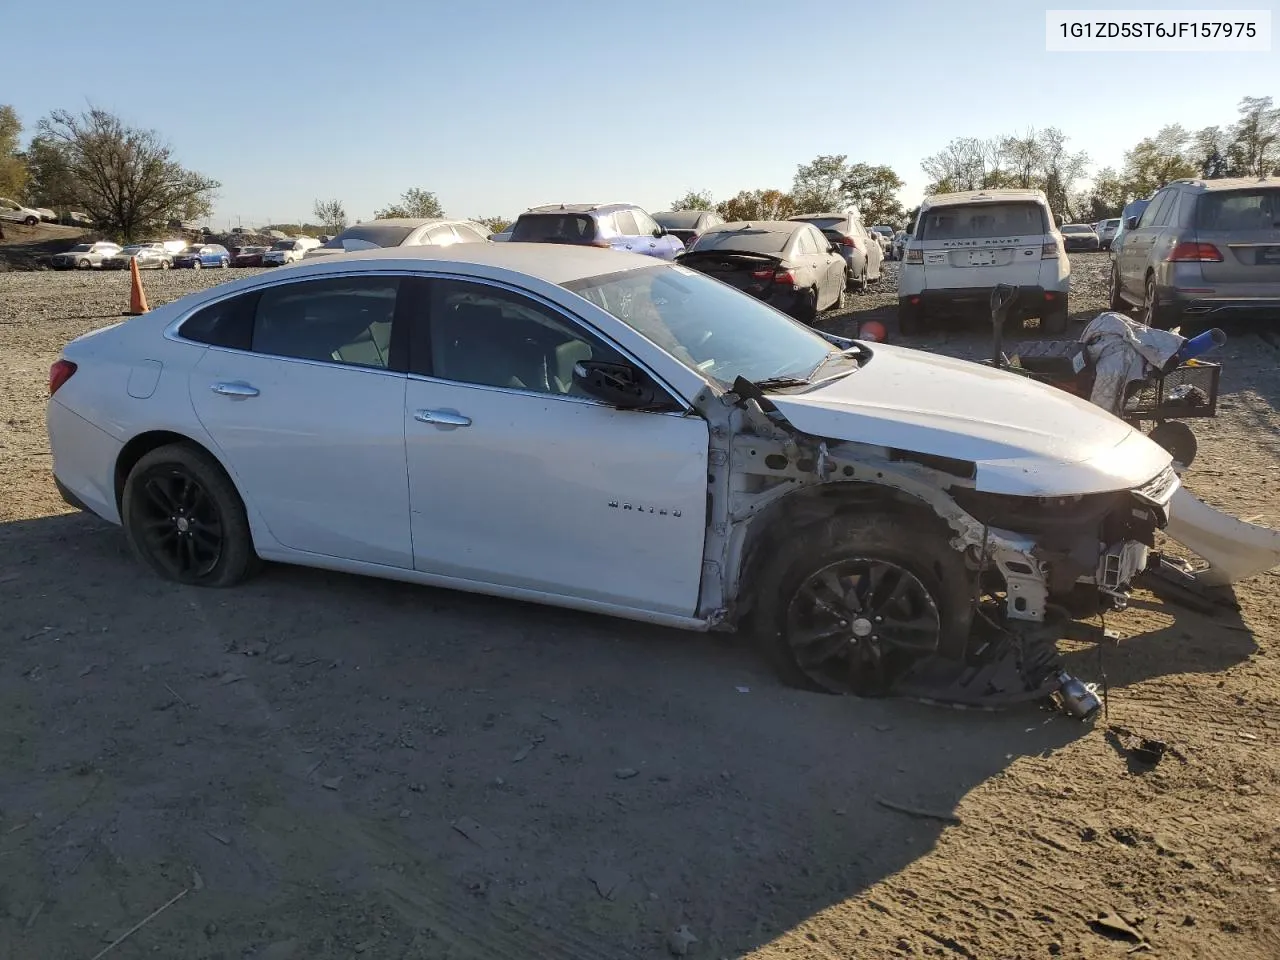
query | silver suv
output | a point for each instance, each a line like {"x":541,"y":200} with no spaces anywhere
{"x":1202,"y":250}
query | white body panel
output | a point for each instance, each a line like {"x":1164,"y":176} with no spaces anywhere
{"x":560,"y":495}
{"x":319,"y":451}
{"x":1026,"y":438}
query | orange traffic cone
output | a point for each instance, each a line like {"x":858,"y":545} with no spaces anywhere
{"x":137,"y":299}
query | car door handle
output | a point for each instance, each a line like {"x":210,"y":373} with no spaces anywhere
{"x":241,"y":390}
{"x":442,"y":418}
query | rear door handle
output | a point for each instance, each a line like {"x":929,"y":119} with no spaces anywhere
{"x":442,"y":418}
{"x":241,"y":390}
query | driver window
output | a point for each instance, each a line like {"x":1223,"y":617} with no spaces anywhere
{"x":492,"y":337}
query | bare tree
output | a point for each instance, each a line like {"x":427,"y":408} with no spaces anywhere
{"x":124,"y":177}
{"x":332,"y":214}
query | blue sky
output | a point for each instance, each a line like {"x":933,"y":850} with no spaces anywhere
{"x":497,"y":106}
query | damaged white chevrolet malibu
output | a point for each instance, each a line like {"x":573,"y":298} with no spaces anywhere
{"x":596,"y":430}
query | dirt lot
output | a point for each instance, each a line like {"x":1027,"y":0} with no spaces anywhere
{"x":324,"y":766}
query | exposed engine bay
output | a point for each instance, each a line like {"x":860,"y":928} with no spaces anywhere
{"x":1031,"y":562}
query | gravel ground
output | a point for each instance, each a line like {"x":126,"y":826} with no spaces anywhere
{"x":331,"y":766}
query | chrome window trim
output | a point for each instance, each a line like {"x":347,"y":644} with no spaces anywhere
{"x":172,"y":332}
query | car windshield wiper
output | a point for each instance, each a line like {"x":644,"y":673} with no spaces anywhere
{"x":778,"y":383}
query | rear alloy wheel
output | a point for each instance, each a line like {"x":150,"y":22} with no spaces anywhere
{"x":1155,"y":314}
{"x":859,"y":599}
{"x":165,"y":264}
{"x":1114,"y":300}
{"x":196,"y":265}
{"x":225,"y":263}
{"x":31,"y":221}
{"x":184,"y":519}
{"x":83,"y":263}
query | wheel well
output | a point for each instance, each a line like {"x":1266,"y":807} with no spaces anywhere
{"x":139,"y":447}
{"x":788,"y":516}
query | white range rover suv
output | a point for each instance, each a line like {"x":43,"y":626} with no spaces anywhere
{"x":964,"y":244}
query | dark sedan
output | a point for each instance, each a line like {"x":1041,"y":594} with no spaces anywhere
{"x":788,"y":264}
{"x":247,"y":256}
{"x":688,"y":225}
{"x":1080,"y":236}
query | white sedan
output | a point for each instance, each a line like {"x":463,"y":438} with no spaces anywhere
{"x":592,"y":429}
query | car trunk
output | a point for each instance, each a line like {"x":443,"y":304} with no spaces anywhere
{"x":982,"y":244}
{"x":751,"y":273}
{"x":684,"y":236}
{"x":1245,"y":227}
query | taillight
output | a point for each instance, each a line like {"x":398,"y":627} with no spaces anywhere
{"x":1194,"y":252}
{"x":59,"y":374}
{"x":848,"y":242}
{"x":913,"y":255}
{"x":784,"y":276}
{"x":764,"y":274}
{"x":1049,"y":251}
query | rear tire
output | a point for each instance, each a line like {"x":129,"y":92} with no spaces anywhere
{"x":209,"y":543}
{"x":83,"y":264}
{"x":807,"y":309}
{"x":1178,"y":438}
{"x":927,"y":601}
{"x":196,"y":265}
{"x":1114,"y":300}
{"x":31,"y":221}
{"x":910,"y":319}
{"x":1155,"y":314}
{"x":1055,"y":321}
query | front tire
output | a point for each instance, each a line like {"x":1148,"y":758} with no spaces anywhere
{"x":31,"y":221}
{"x":197,"y":265}
{"x":225,"y":263}
{"x":807,"y":308}
{"x":184,"y":519}
{"x":851,"y":602}
{"x":1177,"y":438}
{"x":83,"y":264}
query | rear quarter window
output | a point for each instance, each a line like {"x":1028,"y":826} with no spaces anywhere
{"x":980,"y":221}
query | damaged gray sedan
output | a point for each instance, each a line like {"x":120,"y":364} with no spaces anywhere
{"x":596,"y":430}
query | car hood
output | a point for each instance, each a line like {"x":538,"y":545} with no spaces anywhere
{"x":1025,"y":438}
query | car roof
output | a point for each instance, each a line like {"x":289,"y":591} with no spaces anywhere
{"x":978,"y":196}
{"x":554,"y":263}
{"x":582,"y":207}
{"x":816,"y":216}
{"x":411,"y":222}
{"x":765,"y":226}
{"x":1232,"y":183}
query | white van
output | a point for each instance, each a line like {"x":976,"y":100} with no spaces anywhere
{"x":963,"y":244}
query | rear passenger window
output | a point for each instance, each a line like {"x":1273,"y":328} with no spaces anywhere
{"x":807,"y":243}
{"x":1153,"y":216}
{"x":226,"y":324}
{"x":467,"y":235}
{"x":441,"y":236}
{"x":344,"y":320}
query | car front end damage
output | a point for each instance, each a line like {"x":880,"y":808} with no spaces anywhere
{"x":1030,"y":563}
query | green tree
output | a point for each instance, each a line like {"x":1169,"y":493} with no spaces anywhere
{"x":414,"y":203}
{"x":819,"y":185}
{"x":50,"y":182}
{"x":1106,"y":197}
{"x":125,"y":178}
{"x":332,"y":214}
{"x":1154,"y":161}
{"x":1206,"y":153}
{"x":874,"y":191}
{"x":13,"y":167}
{"x":1254,"y":148}
{"x":758,"y":205}
{"x":694,"y":200}
{"x":493,"y":224}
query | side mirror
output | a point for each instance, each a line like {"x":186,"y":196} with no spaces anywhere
{"x":659,"y":231}
{"x":1131,"y":223}
{"x":832,"y":248}
{"x":618,"y":384}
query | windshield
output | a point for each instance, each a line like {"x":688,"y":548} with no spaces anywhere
{"x":134,"y":248}
{"x":283,"y":245}
{"x":380,"y":235}
{"x":979,"y":221}
{"x":707,"y":325}
{"x":1110,"y":224}
{"x":1077,"y":228}
{"x":252,"y":251}
{"x":744,"y":240}
{"x":82,"y":248}
{"x":1239,"y":210}
{"x":678,"y":219}
{"x":824,"y":223}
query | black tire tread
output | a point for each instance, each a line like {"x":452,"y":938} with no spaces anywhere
{"x":239,"y":561}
